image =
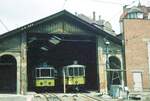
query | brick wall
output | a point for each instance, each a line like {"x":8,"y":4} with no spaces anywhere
{"x":137,"y":35}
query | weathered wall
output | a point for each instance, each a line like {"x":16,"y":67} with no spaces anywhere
{"x":12,"y":46}
{"x":11,"y":43}
{"x":114,"y":50}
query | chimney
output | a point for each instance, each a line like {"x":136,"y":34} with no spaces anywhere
{"x":94,"y":16}
{"x":99,"y":18}
{"x":125,"y":8}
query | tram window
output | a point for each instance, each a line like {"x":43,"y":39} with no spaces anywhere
{"x":45,"y":72}
{"x":37,"y":73}
{"x":70,"y":71}
{"x":66,"y":72}
{"x":76,"y":71}
{"x":81,"y":71}
{"x":52,"y":73}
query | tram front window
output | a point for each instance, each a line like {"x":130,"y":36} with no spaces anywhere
{"x":37,"y":73}
{"x":81,"y":71}
{"x":45,"y":72}
{"x":70,"y":71}
{"x":52,"y":73}
{"x":75,"y":71}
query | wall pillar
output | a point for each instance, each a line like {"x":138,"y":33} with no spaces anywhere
{"x":23,"y":64}
{"x":102,"y":71}
{"x":18,"y":73}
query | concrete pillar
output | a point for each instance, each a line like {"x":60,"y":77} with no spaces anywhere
{"x":18,"y":73}
{"x":102,"y":71}
{"x":23,"y":64}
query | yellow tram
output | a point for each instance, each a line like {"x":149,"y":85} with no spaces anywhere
{"x":45,"y":76}
{"x":74,"y":76}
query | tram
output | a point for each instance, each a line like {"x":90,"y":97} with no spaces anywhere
{"x":74,"y":76}
{"x":45,"y":76}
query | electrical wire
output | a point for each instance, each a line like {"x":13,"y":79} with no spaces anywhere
{"x":114,"y":16}
{"x":4,"y":25}
{"x":108,"y":2}
{"x":65,"y":1}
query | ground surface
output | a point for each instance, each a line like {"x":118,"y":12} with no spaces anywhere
{"x":70,"y":97}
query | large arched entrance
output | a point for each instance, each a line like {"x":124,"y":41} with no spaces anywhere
{"x":8,"y":75}
{"x":114,"y":73}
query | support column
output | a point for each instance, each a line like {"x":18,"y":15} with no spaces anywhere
{"x":18,"y":73}
{"x":23,"y":64}
{"x":102,"y":71}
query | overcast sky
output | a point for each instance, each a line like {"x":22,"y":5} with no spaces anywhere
{"x":16,"y":13}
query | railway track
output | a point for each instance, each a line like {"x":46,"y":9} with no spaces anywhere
{"x":53,"y":97}
{"x":47,"y":97}
{"x":90,"y":98}
{"x":67,"y":97}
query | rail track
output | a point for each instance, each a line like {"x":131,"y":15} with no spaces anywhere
{"x":90,"y":98}
{"x":47,"y":97}
{"x":67,"y":97}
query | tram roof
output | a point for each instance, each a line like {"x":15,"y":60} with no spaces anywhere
{"x":75,"y":65}
{"x":49,"y":67}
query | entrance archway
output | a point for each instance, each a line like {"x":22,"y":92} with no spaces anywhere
{"x":8,"y":74}
{"x":115,"y":73}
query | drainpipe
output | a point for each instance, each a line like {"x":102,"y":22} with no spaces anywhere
{"x":107,"y":43}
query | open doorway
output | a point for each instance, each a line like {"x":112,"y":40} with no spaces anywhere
{"x":60,"y":50}
{"x":8,"y":75}
{"x":114,"y":74}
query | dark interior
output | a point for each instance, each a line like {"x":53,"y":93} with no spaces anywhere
{"x":69,"y":48}
{"x":8,"y":74}
{"x":114,"y":77}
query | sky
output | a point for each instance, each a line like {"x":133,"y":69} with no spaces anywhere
{"x":16,"y":13}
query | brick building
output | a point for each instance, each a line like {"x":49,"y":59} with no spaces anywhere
{"x":135,"y":26}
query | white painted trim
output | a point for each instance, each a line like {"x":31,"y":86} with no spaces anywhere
{"x":148,"y":50}
{"x":137,"y":70}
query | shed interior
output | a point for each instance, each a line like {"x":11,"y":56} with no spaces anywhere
{"x":59,"y":50}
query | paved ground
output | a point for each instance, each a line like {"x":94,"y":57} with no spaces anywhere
{"x":69,"y":97}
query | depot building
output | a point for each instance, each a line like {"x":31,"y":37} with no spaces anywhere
{"x":59,"y":40}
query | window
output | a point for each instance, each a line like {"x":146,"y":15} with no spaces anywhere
{"x":70,"y":71}
{"x":37,"y":72}
{"x":52,"y":72}
{"x":135,"y":15}
{"x":76,"y":71}
{"x":45,"y":72}
{"x":81,"y":71}
{"x":148,"y":15}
